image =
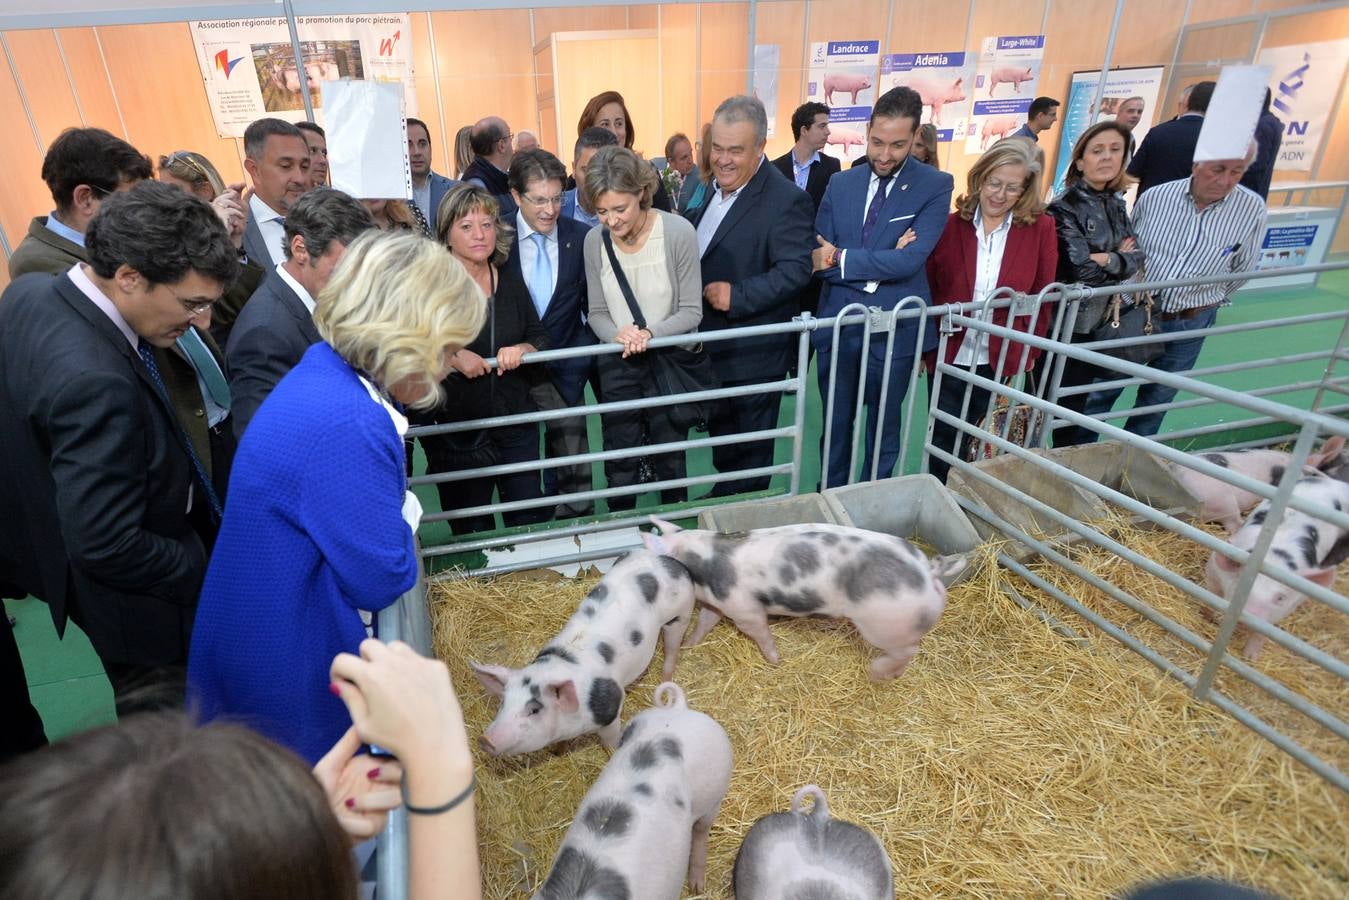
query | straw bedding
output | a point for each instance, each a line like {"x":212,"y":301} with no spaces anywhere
{"x":1007,"y":761}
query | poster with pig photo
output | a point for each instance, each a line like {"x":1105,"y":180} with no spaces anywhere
{"x":843,"y":76}
{"x":941,"y":79}
{"x":248,"y":65}
{"x":1130,"y":98}
{"x":1005,"y":82}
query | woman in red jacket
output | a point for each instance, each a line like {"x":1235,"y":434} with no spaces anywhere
{"x":998,"y":237}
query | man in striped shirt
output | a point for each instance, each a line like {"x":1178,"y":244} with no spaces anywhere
{"x":1204,"y":225}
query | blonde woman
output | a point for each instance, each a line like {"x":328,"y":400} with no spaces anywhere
{"x":463,"y":150}
{"x":194,"y":173}
{"x":319,"y":524}
{"x":398,"y":215}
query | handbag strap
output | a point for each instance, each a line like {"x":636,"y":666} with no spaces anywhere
{"x":638,"y":319}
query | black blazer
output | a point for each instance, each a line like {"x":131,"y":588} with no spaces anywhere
{"x":564,"y":319}
{"x":100,"y":476}
{"x":1167,"y":152}
{"x":268,"y":339}
{"x":820,"y":173}
{"x":762,"y":247}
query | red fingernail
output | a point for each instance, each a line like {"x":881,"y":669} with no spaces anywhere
{"x":373,"y":773}
{"x":336,"y":691}
{"x":351,"y":803}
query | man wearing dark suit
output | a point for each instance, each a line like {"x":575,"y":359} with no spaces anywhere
{"x":83,"y":166}
{"x":103,"y":478}
{"x":810,"y":169}
{"x":548,"y":254}
{"x":276,"y":158}
{"x":1167,"y":151}
{"x":428,"y":186}
{"x":277,"y":326}
{"x":754,"y":237}
{"x":864,"y":257}
{"x":490,"y":140}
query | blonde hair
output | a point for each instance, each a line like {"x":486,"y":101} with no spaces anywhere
{"x":465,"y":198}
{"x":463,"y":153}
{"x":1006,"y":152}
{"x":620,"y":170}
{"x":394,"y":304}
{"x":193,"y":168}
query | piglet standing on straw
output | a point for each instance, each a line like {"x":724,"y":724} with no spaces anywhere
{"x":575,"y":684}
{"x":645,"y":820}
{"x":1304,"y":544}
{"x":883,"y":584}
{"x":809,"y":854}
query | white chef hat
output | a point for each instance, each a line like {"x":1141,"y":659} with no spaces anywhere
{"x":1229,"y":123}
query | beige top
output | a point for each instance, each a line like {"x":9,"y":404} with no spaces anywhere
{"x":648,"y":276}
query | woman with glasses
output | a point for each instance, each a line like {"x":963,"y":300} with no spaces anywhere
{"x":997,"y":237}
{"x":1096,"y":247}
{"x":467,"y":225}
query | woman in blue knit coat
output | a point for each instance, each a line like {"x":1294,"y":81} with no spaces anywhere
{"x":318,"y":531}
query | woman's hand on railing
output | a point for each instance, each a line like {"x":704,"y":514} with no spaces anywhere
{"x":509,"y":357}
{"x":361,"y":789}
{"x":469,"y":364}
{"x":633,"y":339}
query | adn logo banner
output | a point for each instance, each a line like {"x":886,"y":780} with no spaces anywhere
{"x":1304,"y":82}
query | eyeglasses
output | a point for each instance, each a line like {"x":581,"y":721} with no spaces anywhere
{"x":543,"y":202}
{"x":1006,"y":190}
{"x":195,"y":307}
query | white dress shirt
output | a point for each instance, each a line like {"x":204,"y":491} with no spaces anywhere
{"x":801,"y":170}
{"x":717,"y":208}
{"x":422,"y":197}
{"x":987,"y":267}
{"x":298,"y":288}
{"x":529,"y":251}
{"x":272,"y":224}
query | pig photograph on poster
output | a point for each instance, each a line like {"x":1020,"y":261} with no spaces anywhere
{"x":843,"y":76}
{"x":1005,"y":81}
{"x":942,"y":80}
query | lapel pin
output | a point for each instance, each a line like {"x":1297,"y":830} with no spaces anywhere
{"x":903,"y":187}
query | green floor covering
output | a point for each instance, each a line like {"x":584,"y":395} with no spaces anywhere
{"x":71,"y":692}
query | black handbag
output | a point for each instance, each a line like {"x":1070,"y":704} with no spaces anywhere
{"x":675,"y":370}
{"x":1134,"y":321}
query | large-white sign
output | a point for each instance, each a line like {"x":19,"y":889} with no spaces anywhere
{"x":248,"y":65}
{"x":1004,"y":85}
{"x":1304,"y":82}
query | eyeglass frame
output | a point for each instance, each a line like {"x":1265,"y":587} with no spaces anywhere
{"x":542,"y":203}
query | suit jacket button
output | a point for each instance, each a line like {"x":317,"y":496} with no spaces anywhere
{"x":199,"y":413}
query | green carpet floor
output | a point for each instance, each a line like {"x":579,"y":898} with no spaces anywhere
{"x":72,"y":694}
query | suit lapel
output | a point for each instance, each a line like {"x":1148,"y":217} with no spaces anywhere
{"x":255,"y":248}
{"x":749,"y":196}
{"x":969,"y":257}
{"x":1015,"y":237}
{"x":295,"y":306}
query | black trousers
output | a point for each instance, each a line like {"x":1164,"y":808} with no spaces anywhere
{"x":738,"y":415}
{"x":498,"y":446}
{"x":21,"y":730}
{"x":950,"y":398}
{"x":1076,"y":373}
{"x":631,"y":379}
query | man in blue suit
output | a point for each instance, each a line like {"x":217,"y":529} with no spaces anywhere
{"x":548,"y":252}
{"x":754,"y":239}
{"x":867,"y":255}
{"x":428,"y":187}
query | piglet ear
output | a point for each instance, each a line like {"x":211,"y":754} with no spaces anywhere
{"x":1324,"y":577}
{"x":1227,"y":565}
{"x":492,"y":678}
{"x":654,"y":542}
{"x":565,"y":694}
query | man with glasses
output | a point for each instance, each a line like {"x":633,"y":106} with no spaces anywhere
{"x":491,"y":142}
{"x":106,"y":491}
{"x":548,"y":254}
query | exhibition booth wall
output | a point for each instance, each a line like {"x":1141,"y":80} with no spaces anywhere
{"x":536,"y":65}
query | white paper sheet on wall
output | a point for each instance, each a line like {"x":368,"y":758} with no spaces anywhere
{"x":1229,"y":123}
{"x":367,"y":139}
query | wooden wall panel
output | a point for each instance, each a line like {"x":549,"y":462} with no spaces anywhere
{"x":723,"y":42}
{"x":1075,"y":42}
{"x":1148,"y":31}
{"x":588,"y":67}
{"x":424,"y":82}
{"x":37,"y":60}
{"x":644,"y":16}
{"x":784,"y":24}
{"x":577,"y":18}
{"x":678,"y":27}
{"x":919,"y":26}
{"x":25,"y":194}
{"x":85,"y":58}
{"x":1219,"y":44}
{"x":165,"y":105}
{"x":486,"y":68}
{"x":1210,"y":10}
{"x":849,"y":20}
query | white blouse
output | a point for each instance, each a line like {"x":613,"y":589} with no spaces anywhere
{"x":987,"y":267}
{"x":648,"y":275}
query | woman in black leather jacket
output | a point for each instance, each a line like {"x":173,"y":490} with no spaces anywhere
{"x":1096,"y":246}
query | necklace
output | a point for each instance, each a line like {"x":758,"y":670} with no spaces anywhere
{"x":636,"y":232}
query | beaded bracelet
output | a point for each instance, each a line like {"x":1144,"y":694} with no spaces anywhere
{"x":437,"y":810}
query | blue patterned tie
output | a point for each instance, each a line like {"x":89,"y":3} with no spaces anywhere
{"x":541,"y":279}
{"x":874,"y":210}
{"x":148,"y":357}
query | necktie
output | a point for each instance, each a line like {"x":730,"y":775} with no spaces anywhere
{"x":147,"y":354}
{"x":541,"y":279}
{"x":195,"y":348}
{"x":874,"y":210}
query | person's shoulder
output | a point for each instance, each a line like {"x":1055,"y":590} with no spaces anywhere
{"x":676,"y":226}
{"x":829,"y":163}
{"x":1248,"y":198}
{"x":568,"y":229}
{"x":924,"y":176}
